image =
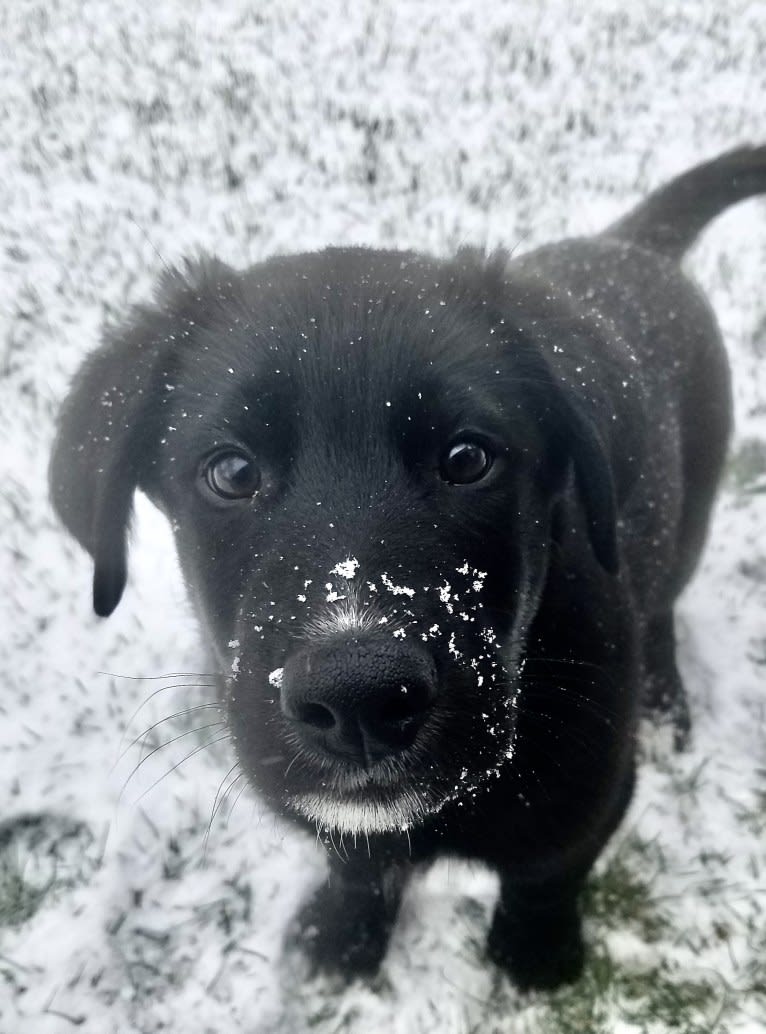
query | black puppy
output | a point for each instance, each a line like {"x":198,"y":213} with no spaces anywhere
{"x":434,"y":515}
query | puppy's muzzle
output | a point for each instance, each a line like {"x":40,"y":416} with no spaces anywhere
{"x":358,"y":700}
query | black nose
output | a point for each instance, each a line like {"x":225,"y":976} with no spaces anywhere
{"x":356,"y":700}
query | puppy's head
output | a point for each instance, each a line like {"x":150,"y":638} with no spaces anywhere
{"x":360,"y":454}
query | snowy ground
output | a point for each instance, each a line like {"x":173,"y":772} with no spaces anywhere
{"x":133,"y":134}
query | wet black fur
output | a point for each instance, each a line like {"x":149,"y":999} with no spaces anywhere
{"x":594,"y":372}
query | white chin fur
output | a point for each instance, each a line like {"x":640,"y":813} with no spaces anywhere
{"x":362,"y":817}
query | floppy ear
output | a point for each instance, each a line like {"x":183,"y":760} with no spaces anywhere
{"x":598,"y":419}
{"x":578,"y":435}
{"x":104,"y":437}
{"x":112,"y":420}
{"x":593,"y":415}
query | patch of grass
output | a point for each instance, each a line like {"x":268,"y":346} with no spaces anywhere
{"x":692,"y":1006}
{"x":753,"y":815}
{"x":649,"y":1000}
{"x":746,"y":467}
{"x":758,"y":338}
{"x":19,"y":899}
{"x":620,"y":895}
{"x":39,"y":855}
{"x":753,"y":984}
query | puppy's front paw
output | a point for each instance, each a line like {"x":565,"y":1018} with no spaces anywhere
{"x":537,"y":956}
{"x":342,"y":936}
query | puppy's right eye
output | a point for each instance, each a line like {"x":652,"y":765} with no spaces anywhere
{"x":465,"y":462}
{"x":232,"y":475}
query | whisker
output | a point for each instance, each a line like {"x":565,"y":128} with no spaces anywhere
{"x":570,"y":736}
{"x":204,"y":746}
{"x":568,"y":664}
{"x":334,"y":847}
{"x":150,"y":242}
{"x":236,"y":799}
{"x":228,"y":789}
{"x":167,"y":718}
{"x":287,"y":770}
{"x":167,"y":675}
{"x":156,"y":692}
{"x":161,"y":746}
{"x":540,"y":689}
{"x":218,"y":802}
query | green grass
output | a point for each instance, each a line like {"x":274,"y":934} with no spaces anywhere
{"x":753,"y":814}
{"x":650,"y":1000}
{"x":620,"y":895}
{"x":746,"y":467}
{"x":40,"y":855}
{"x":19,"y":898}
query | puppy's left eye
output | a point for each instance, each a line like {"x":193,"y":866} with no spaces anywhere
{"x":232,"y":475}
{"x":465,"y":462}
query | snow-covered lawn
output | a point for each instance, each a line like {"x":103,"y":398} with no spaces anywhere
{"x":132,"y":134}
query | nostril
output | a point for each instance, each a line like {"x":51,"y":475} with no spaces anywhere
{"x":316,"y":715}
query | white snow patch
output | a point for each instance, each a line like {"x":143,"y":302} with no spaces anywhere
{"x":346,"y":568}
{"x":396,"y":590}
{"x":275,"y":677}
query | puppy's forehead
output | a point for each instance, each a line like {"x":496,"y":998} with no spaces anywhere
{"x":353,"y":323}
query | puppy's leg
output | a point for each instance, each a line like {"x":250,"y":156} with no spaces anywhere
{"x":345,"y":925}
{"x":664,"y":689}
{"x":536,"y":932}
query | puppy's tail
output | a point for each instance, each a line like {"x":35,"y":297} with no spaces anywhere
{"x":671,"y":218}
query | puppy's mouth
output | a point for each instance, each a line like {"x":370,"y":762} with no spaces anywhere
{"x":360,"y":801}
{"x":394,"y":795}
